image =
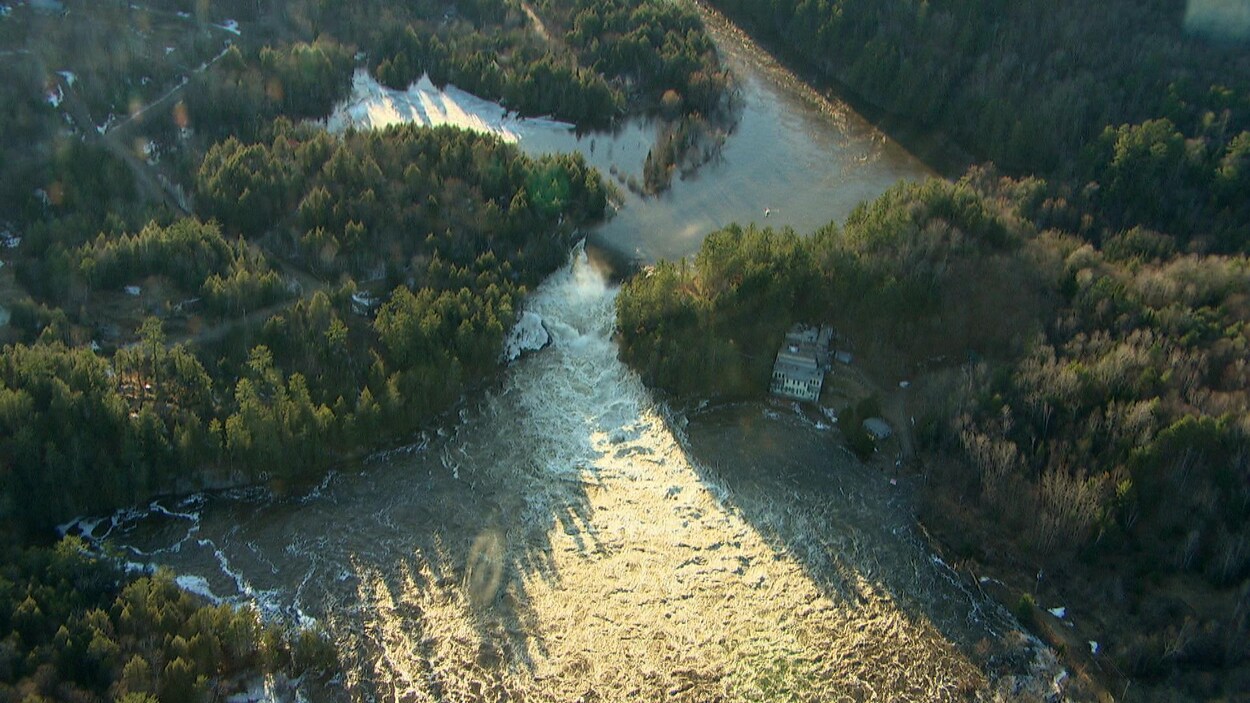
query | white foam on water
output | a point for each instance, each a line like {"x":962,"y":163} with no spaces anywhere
{"x":266,"y":601}
{"x":528,"y":334}
{"x":199,"y":586}
{"x":156,"y":507}
{"x":320,"y":488}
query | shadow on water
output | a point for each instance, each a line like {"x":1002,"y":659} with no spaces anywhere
{"x":429,"y":555}
{"x":553,"y":542}
{"x":853,"y":532}
{"x":461,"y":531}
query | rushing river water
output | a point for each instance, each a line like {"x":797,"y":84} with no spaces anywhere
{"x":564,"y":539}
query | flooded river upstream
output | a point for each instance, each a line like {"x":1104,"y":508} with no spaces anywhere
{"x":568,"y":539}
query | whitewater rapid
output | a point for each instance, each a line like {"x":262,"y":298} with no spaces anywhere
{"x":564,"y":536}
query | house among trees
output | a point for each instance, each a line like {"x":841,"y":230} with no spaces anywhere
{"x":364,"y":303}
{"x":802,"y":361}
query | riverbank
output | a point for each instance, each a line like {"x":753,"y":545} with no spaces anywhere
{"x":852,"y":523}
{"x":563,"y":537}
{"x":936,"y":149}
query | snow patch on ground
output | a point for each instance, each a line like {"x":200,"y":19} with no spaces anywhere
{"x":374,"y":106}
{"x":232,"y":27}
{"x":70,"y":77}
{"x":55,"y":96}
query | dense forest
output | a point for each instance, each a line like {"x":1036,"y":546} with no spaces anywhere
{"x":448,"y":229}
{"x":315,"y":380}
{"x":589,"y":62}
{"x":1079,"y":409}
{"x":1079,"y":328}
{"x":1130,"y":116}
{"x":79,"y":630}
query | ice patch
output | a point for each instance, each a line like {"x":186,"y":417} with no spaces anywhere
{"x":5,"y":10}
{"x":231,"y":26}
{"x":1060,"y":612}
{"x":69,"y":76}
{"x":55,"y":97}
{"x":1093,"y":647}
{"x":374,"y":106}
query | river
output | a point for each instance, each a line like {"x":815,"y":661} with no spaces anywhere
{"x":566,"y":538}
{"x":795,"y":159}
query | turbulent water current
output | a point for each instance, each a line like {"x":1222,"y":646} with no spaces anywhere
{"x":567,"y":540}
{"x":564,"y":538}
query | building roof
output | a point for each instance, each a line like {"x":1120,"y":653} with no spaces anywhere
{"x":878,"y":427}
{"x":798,"y":371}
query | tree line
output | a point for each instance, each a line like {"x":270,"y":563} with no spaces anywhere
{"x":456,"y":226}
{"x":460,"y":224}
{"x":1115,"y":103}
{"x":393,"y":199}
{"x":80,"y":629}
{"x":1083,"y":405}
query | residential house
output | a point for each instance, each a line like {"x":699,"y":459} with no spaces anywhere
{"x":799,"y":371}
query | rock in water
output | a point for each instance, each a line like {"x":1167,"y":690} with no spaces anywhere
{"x":528,"y":334}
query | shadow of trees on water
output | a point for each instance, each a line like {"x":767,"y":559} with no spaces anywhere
{"x":464,"y":530}
{"x":853,"y":532}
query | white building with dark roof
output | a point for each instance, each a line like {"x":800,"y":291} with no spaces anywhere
{"x":799,"y":371}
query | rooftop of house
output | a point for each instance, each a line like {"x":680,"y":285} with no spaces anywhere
{"x":805,"y":348}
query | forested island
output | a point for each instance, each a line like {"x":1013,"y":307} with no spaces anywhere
{"x":1072,"y":322}
{"x":203,"y":289}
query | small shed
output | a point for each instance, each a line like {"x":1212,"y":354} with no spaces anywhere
{"x":878,"y":428}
